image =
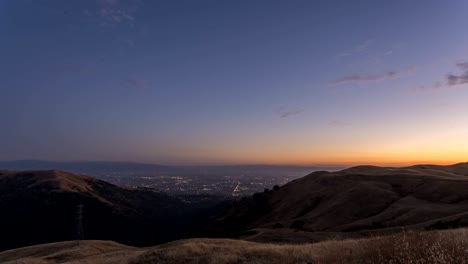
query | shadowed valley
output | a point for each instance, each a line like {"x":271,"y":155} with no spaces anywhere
{"x":42,"y":206}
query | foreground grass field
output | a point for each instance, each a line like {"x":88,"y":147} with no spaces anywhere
{"x":442,"y":247}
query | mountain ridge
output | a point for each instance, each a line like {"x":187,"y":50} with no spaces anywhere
{"x":41,"y":206}
{"x":357,"y":199}
{"x":123,"y":166}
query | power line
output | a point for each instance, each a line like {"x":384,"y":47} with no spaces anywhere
{"x":79,"y":224}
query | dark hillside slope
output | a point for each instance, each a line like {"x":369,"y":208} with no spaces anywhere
{"x":41,"y":206}
{"x":358,"y":198}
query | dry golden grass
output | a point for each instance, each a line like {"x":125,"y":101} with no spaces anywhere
{"x":89,"y":251}
{"x":435,"y":247}
{"x":438,"y":247}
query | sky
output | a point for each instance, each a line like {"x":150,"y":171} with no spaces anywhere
{"x":235,"y":82}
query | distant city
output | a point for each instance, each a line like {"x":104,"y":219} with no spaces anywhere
{"x":223,"y":185}
{"x":227,"y":181}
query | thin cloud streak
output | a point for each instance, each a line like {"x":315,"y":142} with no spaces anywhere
{"x":282,"y":113}
{"x":360,"y":48}
{"x":433,"y":87}
{"x":363,"y":46}
{"x":339,"y":123}
{"x":364,"y":78}
{"x":112,"y":12}
{"x":136,"y":84}
{"x":108,"y":2}
{"x":361,"y":78}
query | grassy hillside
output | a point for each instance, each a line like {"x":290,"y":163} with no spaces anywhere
{"x":441,"y":247}
{"x":358,"y":199}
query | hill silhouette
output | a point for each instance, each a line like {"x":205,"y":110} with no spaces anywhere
{"x":358,"y":199}
{"x":41,"y":206}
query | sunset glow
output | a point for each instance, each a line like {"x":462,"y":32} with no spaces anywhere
{"x":235,"y":82}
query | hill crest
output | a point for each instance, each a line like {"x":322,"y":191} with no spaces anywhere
{"x":358,"y":199}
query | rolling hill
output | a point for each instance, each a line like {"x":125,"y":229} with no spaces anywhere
{"x":448,"y":246}
{"x":42,"y":206}
{"x":353,"y":201}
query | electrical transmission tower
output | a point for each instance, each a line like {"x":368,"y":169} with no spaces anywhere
{"x":79,"y":224}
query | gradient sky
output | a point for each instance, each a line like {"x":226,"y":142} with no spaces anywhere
{"x":235,"y":82}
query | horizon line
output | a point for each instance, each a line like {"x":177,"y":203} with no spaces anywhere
{"x":350,"y":164}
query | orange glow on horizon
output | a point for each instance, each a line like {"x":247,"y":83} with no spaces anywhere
{"x":384,"y":157}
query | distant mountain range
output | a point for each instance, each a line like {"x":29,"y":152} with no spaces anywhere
{"x":99,"y":167}
{"x":83,"y":167}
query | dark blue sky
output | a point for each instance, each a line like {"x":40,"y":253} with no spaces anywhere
{"x":296,"y":82}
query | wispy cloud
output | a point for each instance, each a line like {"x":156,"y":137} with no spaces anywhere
{"x":108,"y":2}
{"x":285,"y":113}
{"x":359,"y":48}
{"x":370,"y":51}
{"x":463,"y":65}
{"x":136,"y":84}
{"x":363,"y":78}
{"x":451,"y":79}
{"x":339,"y":123}
{"x":433,"y":86}
{"x":363,"y":46}
{"x":112,"y":15}
{"x":112,"y":12}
